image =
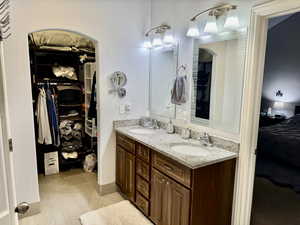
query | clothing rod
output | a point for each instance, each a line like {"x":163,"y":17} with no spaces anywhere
{"x":52,"y":83}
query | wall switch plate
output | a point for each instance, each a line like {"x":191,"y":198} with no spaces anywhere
{"x":127,"y":108}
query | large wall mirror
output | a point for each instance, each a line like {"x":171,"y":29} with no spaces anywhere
{"x":217,"y":84}
{"x":163,"y":64}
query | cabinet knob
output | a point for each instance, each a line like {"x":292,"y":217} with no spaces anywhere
{"x":162,"y":180}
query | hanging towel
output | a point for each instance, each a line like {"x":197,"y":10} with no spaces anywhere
{"x":44,"y":135}
{"x":178,"y":93}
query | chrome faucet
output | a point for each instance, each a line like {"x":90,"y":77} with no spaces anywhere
{"x":186,"y":133}
{"x":205,"y":139}
{"x":155,"y":124}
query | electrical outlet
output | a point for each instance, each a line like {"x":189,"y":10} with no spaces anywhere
{"x":122,"y":109}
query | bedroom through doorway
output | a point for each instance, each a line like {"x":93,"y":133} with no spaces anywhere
{"x":276,"y":197}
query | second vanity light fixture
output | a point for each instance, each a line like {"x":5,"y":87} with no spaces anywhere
{"x":211,"y":27}
{"x":159,"y":36}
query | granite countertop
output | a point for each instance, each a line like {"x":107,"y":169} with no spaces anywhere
{"x":161,"y":142}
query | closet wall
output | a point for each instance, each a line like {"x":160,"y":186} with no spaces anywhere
{"x":110,"y":23}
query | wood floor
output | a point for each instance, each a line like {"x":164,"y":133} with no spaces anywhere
{"x":66,"y":196}
{"x":274,"y":205}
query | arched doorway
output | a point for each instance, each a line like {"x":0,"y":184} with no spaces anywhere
{"x":63,"y":77}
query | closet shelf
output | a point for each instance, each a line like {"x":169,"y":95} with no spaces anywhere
{"x":74,"y":118}
{"x":70,"y":105}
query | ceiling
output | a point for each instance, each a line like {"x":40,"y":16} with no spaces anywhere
{"x":277,"y":20}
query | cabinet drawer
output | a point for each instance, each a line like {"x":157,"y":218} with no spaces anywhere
{"x":143,"y":169}
{"x":142,"y":186}
{"x":143,"y":153}
{"x":173,"y":169}
{"x":126,"y":143}
{"x":142,"y":204}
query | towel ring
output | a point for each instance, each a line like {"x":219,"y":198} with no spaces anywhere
{"x":181,"y":68}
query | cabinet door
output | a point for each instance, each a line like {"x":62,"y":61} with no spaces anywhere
{"x":120,"y":165}
{"x":158,"y":184}
{"x":178,"y":204}
{"x":129,"y":183}
{"x":170,"y":201}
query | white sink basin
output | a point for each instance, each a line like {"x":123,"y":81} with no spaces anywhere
{"x":190,"y":149}
{"x":141,"y":131}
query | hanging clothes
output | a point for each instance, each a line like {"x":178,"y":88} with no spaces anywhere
{"x":44,"y":134}
{"x":92,"y":113}
{"x":52,"y":115}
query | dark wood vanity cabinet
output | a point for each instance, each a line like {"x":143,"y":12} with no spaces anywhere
{"x":120,"y":165}
{"x":169,"y":193}
{"x":170,"y":201}
{"x":125,"y":170}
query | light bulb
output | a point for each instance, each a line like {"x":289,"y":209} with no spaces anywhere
{"x":193,"y":30}
{"x":168,"y":38}
{"x":147,"y":43}
{"x":157,"y":42}
{"x":211,"y":25}
{"x":205,"y":37}
{"x":232,"y":21}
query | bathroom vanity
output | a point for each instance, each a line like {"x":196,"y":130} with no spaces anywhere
{"x":173,"y":188}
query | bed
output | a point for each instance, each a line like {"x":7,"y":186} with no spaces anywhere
{"x":278,"y":152}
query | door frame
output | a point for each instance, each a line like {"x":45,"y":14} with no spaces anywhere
{"x":254,"y":73}
{"x":8,"y":164}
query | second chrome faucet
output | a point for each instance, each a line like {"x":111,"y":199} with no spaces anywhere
{"x":205,"y":139}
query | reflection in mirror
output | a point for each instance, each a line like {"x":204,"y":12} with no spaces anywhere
{"x":163,"y":64}
{"x":218,"y":81}
{"x":203,"y":84}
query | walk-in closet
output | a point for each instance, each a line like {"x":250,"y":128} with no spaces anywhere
{"x":64,"y":96}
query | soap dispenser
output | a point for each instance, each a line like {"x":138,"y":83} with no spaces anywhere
{"x":170,"y":127}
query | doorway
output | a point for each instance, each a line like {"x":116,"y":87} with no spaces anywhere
{"x":276,"y":198}
{"x":64,"y":96}
{"x":255,"y":61}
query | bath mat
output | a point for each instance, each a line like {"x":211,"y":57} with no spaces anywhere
{"x":122,"y":213}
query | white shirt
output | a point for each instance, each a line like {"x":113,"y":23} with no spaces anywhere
{"x":43,"y":119}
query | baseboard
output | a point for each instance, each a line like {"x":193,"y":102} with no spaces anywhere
{"x":35,"y":208}
{"x":107,"y":189}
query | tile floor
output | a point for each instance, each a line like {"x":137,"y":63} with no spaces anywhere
{"x":66,"y":196}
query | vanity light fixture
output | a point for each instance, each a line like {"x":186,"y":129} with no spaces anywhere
{"x":193,"y":30}
{"x":168,"y":38}
{"x":147,"y":43}
{"x":211,"y":27}
{"x":157,"y":41}
{"x":232,"y":21}
{"x":161,"y":36}
{"x":205,"y":37}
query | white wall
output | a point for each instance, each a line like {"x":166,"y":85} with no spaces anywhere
{"x":282,"y":68}
{"x":118,"y":27}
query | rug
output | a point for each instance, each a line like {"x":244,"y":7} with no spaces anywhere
{"x":122,"y":213}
